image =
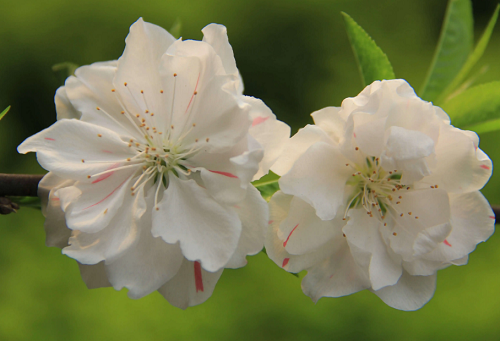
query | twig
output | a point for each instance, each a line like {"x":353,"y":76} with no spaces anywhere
{"x":19,"y":185}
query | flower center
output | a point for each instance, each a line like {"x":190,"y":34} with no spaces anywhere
{"x":375,"y":189}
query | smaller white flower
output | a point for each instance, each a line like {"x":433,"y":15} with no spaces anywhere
{"x":150,"y":166}
{"x":379,"y":194}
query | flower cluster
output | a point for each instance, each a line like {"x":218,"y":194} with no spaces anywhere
{"x":150,"y":165}
{"x":379,"y":194}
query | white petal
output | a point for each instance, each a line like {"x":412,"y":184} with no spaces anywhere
{"x":410,"y":293}
{"x":296,"y":146}
{"x":254,"y":215}
{"x":319,"y":177}
{"x":94,"y":276}
{"x":64,"y":107}
{"x":329,"y":120}
{"x":91,"y":207}
{"x":191,"y":286}
{"x":270,"y":133}
{"x":279,"y":209}
{"x":139,"y":68}
{"x":216,"y":35}
{"x":62,"y":147}
{"x":206,"y":230}
{"x":56,"y":231}
{"x":336,"y":276}
{"x":431,"y":206}
{"x":462,"y":166}
{"x":303,"y":231}
{"x":370,"y":251}
{"x":472,"y":222}
{"x":111,"y":242}
{"x":92,"y":88}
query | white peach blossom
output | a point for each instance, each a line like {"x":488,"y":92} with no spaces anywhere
{"x":379,"y":194}
{"x":150,"y":165}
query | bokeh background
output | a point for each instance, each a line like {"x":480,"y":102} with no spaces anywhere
{"x":294,"y":55}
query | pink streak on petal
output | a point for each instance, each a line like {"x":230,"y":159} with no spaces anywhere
{"x":354,"y":135}
{"x":492,"y":216}
{"x":230,"y":175}
{"x":107,"y":151}
{"x":55,"y":199}
{"x":270,"y":222}
{"x":236,"y":206}
{"x":192,"y":96}
{"x":285,"y":262}
{"x":50,"y":139}
{"x":446,"y":243}
{"x":107,"y":196}
{"x":107,"y":175}
{"x":259,"y":120}
{"x":484,"y":167}
{"x":197,"y":277}
{"x":286,"y":241}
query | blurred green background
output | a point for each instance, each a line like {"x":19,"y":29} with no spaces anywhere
{"x":296,"y":57}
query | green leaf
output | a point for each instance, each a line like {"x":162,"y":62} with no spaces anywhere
{"x":454,"y":46}
{"x":372,"y":61}
{"x":2,"y":114}
{"x":267,"y":185}
{"x":175,"y":30}
{"x":473,"y":58}
{"x":67,"y":67}
{"x":476,"y":108}
{"x":486,"y":127}
{"x":33,"y":202}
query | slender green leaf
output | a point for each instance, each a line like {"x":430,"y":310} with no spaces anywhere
{"x":175,"y":30}
{"x":478,"y":106}
{"x":473,"y":58}
{"x":2,"y":114}
{"x":67,"y":67}
{"x":372,"y":61}
{"x":454,"y":46}
{"x":267,"y":185}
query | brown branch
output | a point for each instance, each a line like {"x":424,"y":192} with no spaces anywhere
{"x":19,"y":185}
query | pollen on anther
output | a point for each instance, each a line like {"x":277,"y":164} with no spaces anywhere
{"x":398,"y":202}
{"x":161,"y":91}
{"x":409,"y":213}
{"x":416,"y":217}
{"x":83,"y":161}
{"x":432,"y":186}
{"x":343,"y":219}
{"x":385,"y":224}
{"x":400,"y":197}
{"x":125,"y":83}
{"x":343,"y":234}
{"x":194,"y":125}
{"x":196,"y":140}
{"x":88,"y":176}
{"x":172,"y":127}
{"x":401,"y":215}
{"x":142,"y":91}
{"x":147,"y":111}
{"x":347,"y":164}
{"x":137,"y":115}
{"x":123,"y":112}
{"x":143,"y":120}
{"x":356,"y":148}
{"x":98,"y":108}
{"x":436,"y":186}
{"x":394,"y":234}
{"x":112,"y":90}
{"x":175,"y":75}
{"x":144,"y":167}
{"x":128,"y":159}
{"x":157,"y":208}
{"x":105,"y":211}
{"x":195,"y":93}
{"x":137,"y":144}
{"x":207,"y":139}
{"x":99,"y":135}
{"x":152,"y":114}
{"x":132,"y":193}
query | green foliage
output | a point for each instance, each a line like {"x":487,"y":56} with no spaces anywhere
{"x":33,"y":202}
{"x":453,"y":49}
{"x":64,"y":70}
{"x":267,"y":185}
{"x":2,"y":114}
{"x":473,"y":58}
{"x":372,"y":61}
{"x":477,"y":108}
{"x":176,"y":28}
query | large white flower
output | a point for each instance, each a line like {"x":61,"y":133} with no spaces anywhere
{"x":379,"y":194}
{"x":151,"y":161}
